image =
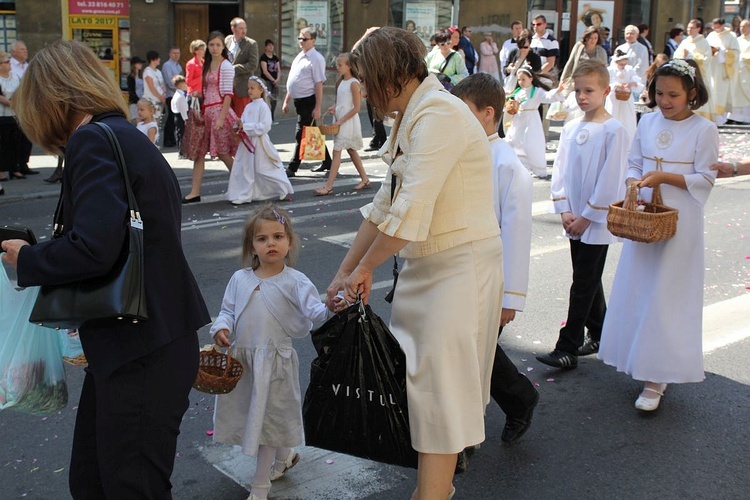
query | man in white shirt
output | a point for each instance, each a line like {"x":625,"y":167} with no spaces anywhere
{"x":243,"y":54}
{"x":305,"y":86}
{"x":169,"y":70}
{"x":19,"y":55}
{"x":516,"y":27}
{"x":545,"y":45}
{"x":637,"y":52}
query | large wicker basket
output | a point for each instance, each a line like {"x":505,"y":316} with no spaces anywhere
{"x":328,"y":129}
{"x":511,"y":106}
{"x":655,"y":222}
{"x":218,"y":372}
{"x":622,"y":94}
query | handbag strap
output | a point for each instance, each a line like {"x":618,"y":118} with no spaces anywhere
{"x":394,"y":180}
{"x":445,"y":63}
{"x":135,"y":216}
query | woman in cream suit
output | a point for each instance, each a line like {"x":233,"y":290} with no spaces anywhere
{"x":447,"y":303}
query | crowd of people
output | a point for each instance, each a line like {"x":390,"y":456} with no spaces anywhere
{"x":451,"y":209}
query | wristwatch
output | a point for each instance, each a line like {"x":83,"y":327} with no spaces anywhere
{"x":734,"y":169}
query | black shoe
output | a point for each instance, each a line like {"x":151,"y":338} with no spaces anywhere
{"x":2,"y":191}
{"x":589,"y":347}
{"x":559,"y":359}
{"x":194,"y":199}
{"x":28,"y":171}
{"x":290,"y":172}
{"x":16,"y":175}
{"x":321,"y":168}
{"x":462,"y":464}
{"x":54,"y":178}
{"x":517,"y":427}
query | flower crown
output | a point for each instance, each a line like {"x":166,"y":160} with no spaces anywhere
{"x":260,"y":82}
{"x":682,"y":67}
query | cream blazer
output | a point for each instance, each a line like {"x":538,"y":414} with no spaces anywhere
{"x":443,"y":166}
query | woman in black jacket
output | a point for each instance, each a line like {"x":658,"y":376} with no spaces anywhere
{"x":136,"y":387}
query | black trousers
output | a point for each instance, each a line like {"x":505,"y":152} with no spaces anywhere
{"x":24,"y":151}
{"x":179,"y":130}
{"x":305,"y":107}
{"x":511,"y":390}
{"x":587,"y":305}
{"x":378,"y":129}
{"x":127,"y":425}
{"x":169,"y":126}
{"x":9,"y":138}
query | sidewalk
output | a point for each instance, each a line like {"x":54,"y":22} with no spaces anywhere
{"x":734,"y":144}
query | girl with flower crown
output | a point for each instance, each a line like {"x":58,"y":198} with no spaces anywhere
{"x":258,"y":173}
{"x":653,"y":327}
{"x":525,"y":132}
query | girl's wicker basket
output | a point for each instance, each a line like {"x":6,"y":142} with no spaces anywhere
{"x":218,"y":373}
{"x":511,"y":106}
{"x":622,"y":94}
{"x":655,"y":222}
{"x":328,"y":129}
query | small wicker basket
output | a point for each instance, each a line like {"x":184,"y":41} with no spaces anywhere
{"x":655,"y":222}
{"x":328,"y":129}
{"x":218,"y":373}
{"x":511,"y":106}
{"x":622,"y":94}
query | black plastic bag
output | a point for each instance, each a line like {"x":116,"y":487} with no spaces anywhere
{"x":356,"y":401}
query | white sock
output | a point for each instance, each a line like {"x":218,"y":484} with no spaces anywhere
{"x":261,"y":483}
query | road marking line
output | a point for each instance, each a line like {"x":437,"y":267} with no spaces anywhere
{"x":726,"y":322}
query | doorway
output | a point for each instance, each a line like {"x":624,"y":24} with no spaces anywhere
{"x":196,"y":21}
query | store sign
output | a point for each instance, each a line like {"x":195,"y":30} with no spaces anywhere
{"x":99,"y":7}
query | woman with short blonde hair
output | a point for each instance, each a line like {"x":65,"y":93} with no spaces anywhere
{"x":136,"y":387}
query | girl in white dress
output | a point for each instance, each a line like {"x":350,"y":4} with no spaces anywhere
{"x":526,"y":133}
{"x":146,"y":123}
{"x":623,"y":76}
{"x":265,"y":306}
{"x":653,"y":326}
{"x":346,"y":111}
{"x":257,"y":173}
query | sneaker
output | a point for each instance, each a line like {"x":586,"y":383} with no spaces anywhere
{"x":559,"y":359}
{"x":589,"y":347}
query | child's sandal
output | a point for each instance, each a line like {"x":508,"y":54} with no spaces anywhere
{"x":253,"y":496}
{"x":290,"y":462}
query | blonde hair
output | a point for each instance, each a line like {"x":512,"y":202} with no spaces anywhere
{"x":197,"y":44}
{"x":592,"y":67}
{"x":148,"y":103}
{"x":5,"y":56}
{"x":271,"y":212}
{"x":63,"y":80}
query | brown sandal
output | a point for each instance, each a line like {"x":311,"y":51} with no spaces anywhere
{"x":323,"y":191}
{"x":362,"y":185}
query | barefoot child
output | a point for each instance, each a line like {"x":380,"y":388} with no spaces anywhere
{"x":346,"y":110}
{"x":526,"y":133}
{"x":653,"y":331}
{"x":586,"y":178}
{"x":146,"y":122}
{"x":513,"y":192}
{"x":257,"y":173}
{"x":265,"y":306}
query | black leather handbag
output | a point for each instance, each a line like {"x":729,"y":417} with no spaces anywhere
{"x":120,"y":294}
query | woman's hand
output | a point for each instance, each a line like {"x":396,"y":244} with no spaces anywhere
{"x":12,"y":248}
{"x":219,"y":123}
{"x":358,"y":284}
{"x":334,"y":288}
{"x":221,"y":338}
{"x":331,"y":111}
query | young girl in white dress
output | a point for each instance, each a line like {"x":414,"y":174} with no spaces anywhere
{"x":257,"y":173}
{"x":526,"y":133}
{"x":346,"y":111}
{"x":622,"y":75}
{"x":146,"y":122}
{"x":265,"y":306}
{"x":651,"y":332}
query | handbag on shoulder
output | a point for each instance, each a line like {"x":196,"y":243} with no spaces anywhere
{"x":120,"y":294}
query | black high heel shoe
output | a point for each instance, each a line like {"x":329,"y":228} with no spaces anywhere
{"x":55,"y":177}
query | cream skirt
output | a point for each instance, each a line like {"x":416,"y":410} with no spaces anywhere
{"x":446,"y":315}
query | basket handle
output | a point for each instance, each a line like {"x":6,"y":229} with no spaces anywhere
{"x":631,"y":197}
{"x":229,"y":361}
{"x":656,"y":195}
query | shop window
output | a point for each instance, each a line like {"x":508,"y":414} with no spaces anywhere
{"x":325,"y":17}
{"x":7,"y":26}
{"x":423,"y":18}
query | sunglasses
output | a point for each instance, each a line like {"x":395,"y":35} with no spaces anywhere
{"x":301,"y":39}
{"x":537,"y":24}
{"x":444,"y":43}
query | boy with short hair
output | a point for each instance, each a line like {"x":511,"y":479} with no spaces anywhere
{"x":587,"y":176}
{"x":514,"y":393}
{"x":179,"y":107}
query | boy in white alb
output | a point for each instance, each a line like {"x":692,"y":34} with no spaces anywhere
{"x":587,"y":177}
{"x":514,"y":393}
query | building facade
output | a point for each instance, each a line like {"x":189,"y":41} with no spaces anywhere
{"x":119,"y":29}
